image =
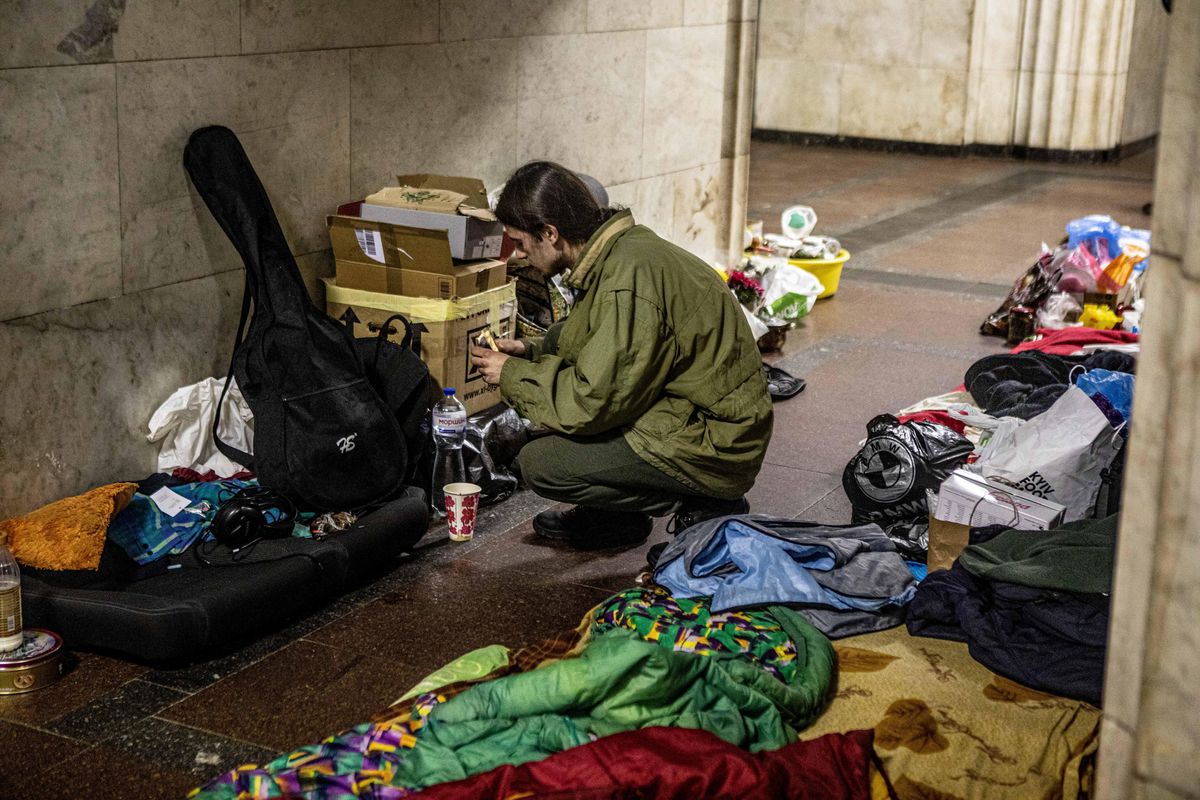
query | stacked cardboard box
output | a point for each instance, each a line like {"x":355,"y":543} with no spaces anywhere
{"x":404,"y":255}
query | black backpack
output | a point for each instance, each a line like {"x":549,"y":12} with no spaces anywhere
{"x":327,"y":427}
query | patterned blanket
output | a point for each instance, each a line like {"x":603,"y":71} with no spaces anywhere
{"x":948,"y":729}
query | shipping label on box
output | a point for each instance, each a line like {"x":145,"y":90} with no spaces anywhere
{"x":394,"y":259}
{"x":969,"y":499}
{"x":363,"y":241}
{"x":454,"y":204}
{"x":446,"y":329}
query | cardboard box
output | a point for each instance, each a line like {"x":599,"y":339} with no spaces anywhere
{"x":966,"y":500}
{"x":441,"y":202}
{"x":394,"y":259}
{"x":468,"y":279}
{"x":973,"y":500}
{"x":446,"y":329}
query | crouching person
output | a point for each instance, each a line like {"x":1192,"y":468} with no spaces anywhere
{"x":653,"y":385}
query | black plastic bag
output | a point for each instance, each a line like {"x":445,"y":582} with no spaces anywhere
{"x":886,"y":480}
{"x":1030,"y":291}
{"x":493,"y":439}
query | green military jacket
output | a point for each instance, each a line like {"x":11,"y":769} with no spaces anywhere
{"x":658,"y":348}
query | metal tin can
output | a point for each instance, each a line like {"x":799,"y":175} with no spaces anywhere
{"x":1020,"y":325}
{"x":36,"y":663}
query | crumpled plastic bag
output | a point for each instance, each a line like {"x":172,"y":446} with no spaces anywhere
{"x":184,"y":426}
{"x":493,"y":439}
{"x":1116,"y":387}
{"x":886,"y":480}
{"x":1029,"y":291}
{"x":788,"y":294}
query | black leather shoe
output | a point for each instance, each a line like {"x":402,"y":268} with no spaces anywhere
{"x":693,"y":512}
{"x":589,"y":528}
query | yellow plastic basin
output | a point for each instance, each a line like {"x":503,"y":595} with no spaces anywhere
{"x":827,"y":270}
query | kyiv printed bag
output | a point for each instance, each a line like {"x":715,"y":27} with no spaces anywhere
{"x":1060,"y":454}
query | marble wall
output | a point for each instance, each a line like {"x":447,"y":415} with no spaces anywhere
{"x":1151,"y":730}
{"x":1056,"y":74}
{"x":119,"y":285}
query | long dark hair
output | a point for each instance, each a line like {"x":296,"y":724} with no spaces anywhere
{"x":543,"y":193}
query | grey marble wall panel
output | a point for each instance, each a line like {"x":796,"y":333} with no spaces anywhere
{"x":946,"y":34}
{"x":702,"y":210}
{"x":625,"y":15}
{"x":269,"y":27}
{"x":710,"y":12}
{"x":83,"y":422}
{"x":580,"y":101}
{"x":51,"y":32}
{"x":496,"y":19}
{"x":60,"y":239}
{"x":443,"y":108}
{"x":652,"y":201}
{"x":685,"y":98}
{"x":291,"y":112}
{"x":314,"y":267}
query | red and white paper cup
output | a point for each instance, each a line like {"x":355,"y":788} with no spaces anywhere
{"x":462,"y":504}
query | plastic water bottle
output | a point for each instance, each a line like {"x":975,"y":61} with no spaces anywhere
{"x":449,"y":430}
{"x":10,"y":601}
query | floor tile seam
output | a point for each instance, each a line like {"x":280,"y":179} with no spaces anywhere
{"x":217,"y":734}
{"x":1149,"y":181}
{"x":813,"y":472}
{"x":886,"y":170}
{"x":33,"y":726}
{"x":236,"y":671}
{"x":920,"y":282}
{"x":111,"y":697}
{"x":107,"y":696}
{"x":55,"y":769}
{"x":808,"y":360}
{"x":930,"y":218}
{"x":814,"y":504}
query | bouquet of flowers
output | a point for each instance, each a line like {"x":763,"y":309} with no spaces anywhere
{"x":746,"y":289}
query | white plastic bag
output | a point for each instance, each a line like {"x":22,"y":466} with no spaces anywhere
{"x":1059,"y":454}
{"x":788,"y":294}
{"x":184,"y":426}
{"x":758,"y":328}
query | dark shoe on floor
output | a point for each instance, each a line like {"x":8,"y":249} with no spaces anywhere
{"x":782,"y":385}
{"x":696,"y":511}
{"x":593,"y":528}
{"x":654,"y":554}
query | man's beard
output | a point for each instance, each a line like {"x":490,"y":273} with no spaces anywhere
{"x":561,"y":264}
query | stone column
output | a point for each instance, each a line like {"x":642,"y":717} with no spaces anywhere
{"x":737,"y":121}
{"x":1150,"y":738}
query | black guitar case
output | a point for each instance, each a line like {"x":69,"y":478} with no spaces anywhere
{"x":324,"y":435}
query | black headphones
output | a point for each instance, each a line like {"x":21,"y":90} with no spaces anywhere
{"x":251,"y":515}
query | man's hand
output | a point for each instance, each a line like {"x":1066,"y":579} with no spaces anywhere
{"x":513,"y":347}
{"x":489,"y":362}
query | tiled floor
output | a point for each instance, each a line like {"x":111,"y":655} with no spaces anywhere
{"x":935,"y":242}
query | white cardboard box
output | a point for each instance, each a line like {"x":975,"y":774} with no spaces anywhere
{"x":447,"y":203}
{"x":969,"y":499}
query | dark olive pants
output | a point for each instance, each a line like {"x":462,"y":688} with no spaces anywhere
{"x":599,"y":471}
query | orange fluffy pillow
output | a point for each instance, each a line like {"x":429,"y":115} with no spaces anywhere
{"x":68,"y":533}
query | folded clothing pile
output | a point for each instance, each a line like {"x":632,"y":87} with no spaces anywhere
{"x":844,"y":579}
{"x":1032,"y":606}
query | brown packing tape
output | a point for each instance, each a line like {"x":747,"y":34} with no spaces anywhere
{"x":421,"y":309}
{"x":446,"y":341}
